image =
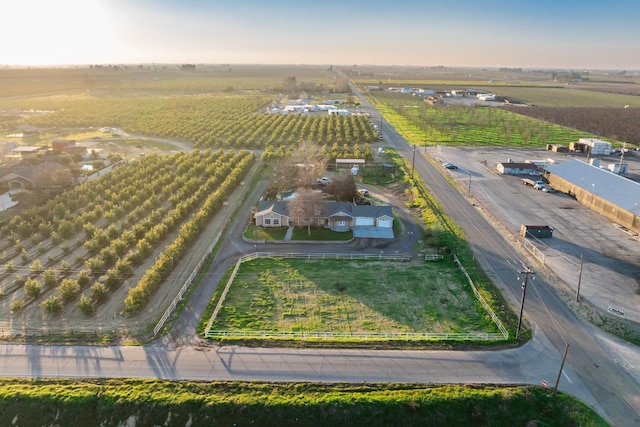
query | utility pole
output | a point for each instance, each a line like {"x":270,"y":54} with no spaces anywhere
{"x":579,"y":278}
{"x":624,"y":145}
{"x":564,"y":357}
{"x":469,"y":190}
{"x":526,"y":273}
{"x":413,"y":161}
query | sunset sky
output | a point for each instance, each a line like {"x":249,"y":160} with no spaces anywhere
{"x":493,"y":33}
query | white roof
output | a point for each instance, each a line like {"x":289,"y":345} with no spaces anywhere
{"x":602,"y":183}
{"x":350,"y":161}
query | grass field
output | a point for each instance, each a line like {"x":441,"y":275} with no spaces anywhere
{"x":351,"y":296}
{"x":108,"y":403}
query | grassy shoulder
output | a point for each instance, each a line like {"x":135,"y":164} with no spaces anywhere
{"x":154,"y":402}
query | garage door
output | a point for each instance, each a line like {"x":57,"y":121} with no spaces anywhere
{"x":364,"y":221}
{"x":386,"y":223}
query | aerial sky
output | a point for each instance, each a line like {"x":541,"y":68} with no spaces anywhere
{"x":572,"y":34}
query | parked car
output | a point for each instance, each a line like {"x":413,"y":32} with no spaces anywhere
{"x":449,"y":165}
{"x":549,"y":190}
{"x":361,"y":201}
{"x":324,"y":180}
{"x":363,"y":192}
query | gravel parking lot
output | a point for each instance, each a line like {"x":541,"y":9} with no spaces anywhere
{"x":610,"y":277}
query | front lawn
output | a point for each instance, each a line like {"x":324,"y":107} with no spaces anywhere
{"x":320,"y":234}
{"x":258,"y":233}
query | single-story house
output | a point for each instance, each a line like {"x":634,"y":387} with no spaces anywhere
{"x":45,"y":175}
{"x":364,"y":220}
{"x":513,"y":168}
{"x":272,"y":214}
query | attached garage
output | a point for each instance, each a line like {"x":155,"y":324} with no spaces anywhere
{"x":385,"y":222}
{"x":364,"y":221}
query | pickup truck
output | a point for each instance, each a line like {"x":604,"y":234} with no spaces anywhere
{"x":538,"y":185}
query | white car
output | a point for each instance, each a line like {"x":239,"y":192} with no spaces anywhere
{"x":323,"y":181}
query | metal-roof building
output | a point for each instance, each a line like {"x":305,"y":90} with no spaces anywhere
{"x":611,"y":195}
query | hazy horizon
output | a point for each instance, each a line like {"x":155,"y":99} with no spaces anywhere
{"x":457,"y":33}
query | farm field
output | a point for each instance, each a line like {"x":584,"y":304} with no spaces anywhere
{"x":474,"y":126}
{"x":351,"y":297}
{"x":94,"y":258}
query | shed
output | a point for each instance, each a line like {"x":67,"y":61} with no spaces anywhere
{"x":539,"y":231}
{"x":512,"y":168}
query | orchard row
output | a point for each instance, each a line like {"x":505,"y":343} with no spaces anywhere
{"x":99,"y":232}
{"x":209,"y":121}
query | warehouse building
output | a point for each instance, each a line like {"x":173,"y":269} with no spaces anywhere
{"x":611,"y":195}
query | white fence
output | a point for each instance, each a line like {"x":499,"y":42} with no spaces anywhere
{"x":351,"y":336}
{"x":533,"y":250}
{"x":185,"y":286}
{"x":353,"y":256}
{"x":358,"y":336}
{"x":496,"y":320}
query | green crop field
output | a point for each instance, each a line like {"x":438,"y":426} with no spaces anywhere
{"x":432,"y":125}
{"x":351,"y":296}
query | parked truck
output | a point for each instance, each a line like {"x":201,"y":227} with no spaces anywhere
{"x":538,"y":185}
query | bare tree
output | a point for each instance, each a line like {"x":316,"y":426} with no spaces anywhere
{"x":343,"y":186}
{"x":309,"y":162}
{"x":300,"y":169}
{"x":308,"y":207}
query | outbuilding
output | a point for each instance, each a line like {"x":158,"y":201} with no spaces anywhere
{"x":513,"y":168}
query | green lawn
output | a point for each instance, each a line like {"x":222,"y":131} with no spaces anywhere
{"x":259,"y":233}
{"x":351,"y":296}
{"x":320,"y":234}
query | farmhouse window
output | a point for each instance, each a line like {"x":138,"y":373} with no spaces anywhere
{"x":267,"y":221}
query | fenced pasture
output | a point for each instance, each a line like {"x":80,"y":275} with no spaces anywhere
{"x":338,"y":298}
